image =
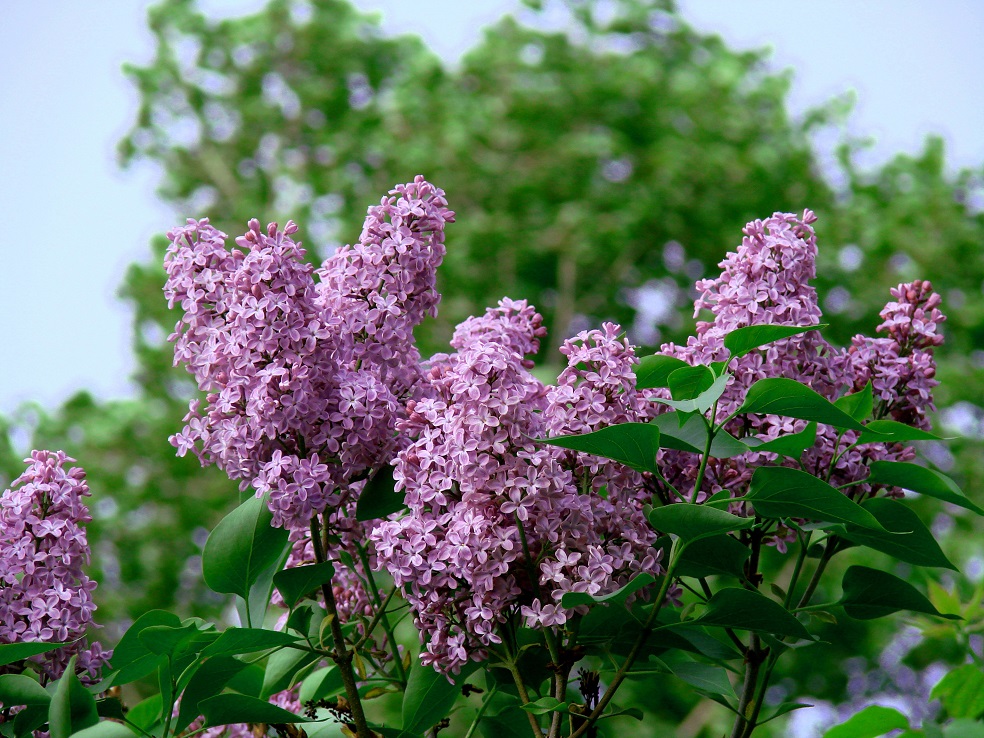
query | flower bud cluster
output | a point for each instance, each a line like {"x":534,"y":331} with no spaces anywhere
{"x":45,"y":595}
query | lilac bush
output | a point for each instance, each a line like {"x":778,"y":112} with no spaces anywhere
{"x":560,"y":538}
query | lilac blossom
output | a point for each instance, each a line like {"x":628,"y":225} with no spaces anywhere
{"x":497,"y":525}
{"x":45,"y":594}
{"x":305,"y":380}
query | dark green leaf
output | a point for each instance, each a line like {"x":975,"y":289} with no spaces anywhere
{"x":891,"y":431}
{"x":962,"y":692}
{"x":17,"y":689}
{"x":105,"y":729}
{"x":283,"y":668}
{"x":689,"y":382}
{"x":510,"y":722}
{"x":920,"y":479}
{"x":379,"y":498}
{"x":908,"y":538}
{"x":323,"y":683}
{"x":72,"y":708}
{"x":234,"y":641}
{"x":715,"y":555}
{"x":30,"y":719}
{"x":109,"y":707}
{"x":654,"y":371}
{"x":741,"y":341}
{"x":871,"y":722}
{"x":688,"y":432}
{"x":296,"y":582}
{"x":743,"y":609}
{"x":869,"y":594}
{"x":11,"y":652}
{"x":248,"y":681}
{"x":228,"y":709}
{"x":640,"y":580}
{"x":694,"y":522}
{"x":705,"y":677}
{"x":633,"y":444}
{"x":131,"y":658}
{"x":787,"y":397}
{"x":859,"y":404}
{"x":545,"y":705}
{"x":210,"y":679}
{"x":791,"y":444}
{"x":428,"y":698}
{"x":779,"y":492}
{"x":147,"y":713}
{"x":782,"y":709}
{"x":241,"y":546}
{"x":176,"y":641}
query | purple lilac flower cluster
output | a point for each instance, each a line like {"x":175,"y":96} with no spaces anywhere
{"x":45,"y":595}
{"x":497,"y":524}
{"x":766,"y":281}
{"x":306,"y":379}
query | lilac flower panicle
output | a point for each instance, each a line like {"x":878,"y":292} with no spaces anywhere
{"x":480,"y":490}
{"x":305,"y":380}
{"x":45,"y":594}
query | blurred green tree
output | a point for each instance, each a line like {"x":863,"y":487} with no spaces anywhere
{"x":597,"y":171}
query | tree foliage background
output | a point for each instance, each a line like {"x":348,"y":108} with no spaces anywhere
{"x":595,"y":171}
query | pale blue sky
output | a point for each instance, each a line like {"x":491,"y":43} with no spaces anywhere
{"x":73,"y":222}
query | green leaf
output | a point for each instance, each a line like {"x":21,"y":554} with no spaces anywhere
{"x":705,"y":677}
{"x":323,"y":683}
{"x":919,"y":479}
{"x":132,"y":659}
{"x":11,"y":652}
{"x":283,"y":668}
{"x":428,"y":698}
{"x":689,"y":382}
{"x":235,"y":641}
{"x":227,"y":709}
{"x":640,"y":580}
{"x":779,"y":492}
{"x":176,"y":641}
{"x":741,"y":341}
{"x":17,"y":689}
{"x":962,"y":692}
{"x":782,"y":709}
{"x":72,"y":708}
{"x":633,"y":444}
{"x":908,"y":539}
{"x":511,"y":722}
{"x":702,"y":402}
{"x":210,"y":679}
{"x":871,"y":722}
{"x":688,"y":432}
{"x":791,"y":444}
{"x":715,"y":555}
{"x":858,"y":405}
{"x":869,"y":594}
{"x":654,"y":371}
{"x":787,"y":397}
{"x":296,"y":582}
{"x":962,"y":728}
{"x":146,"y":713}
{"x":379,"y":498}
{"x":693,"y":522}
{"x":891,"y":431}
{"x":545,"y":705}
{"x":743,"y":609}
{"x":105,"y":729}
{"x":241,"y":547}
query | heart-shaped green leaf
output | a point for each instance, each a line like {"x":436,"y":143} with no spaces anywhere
{"x":632,"y":444}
